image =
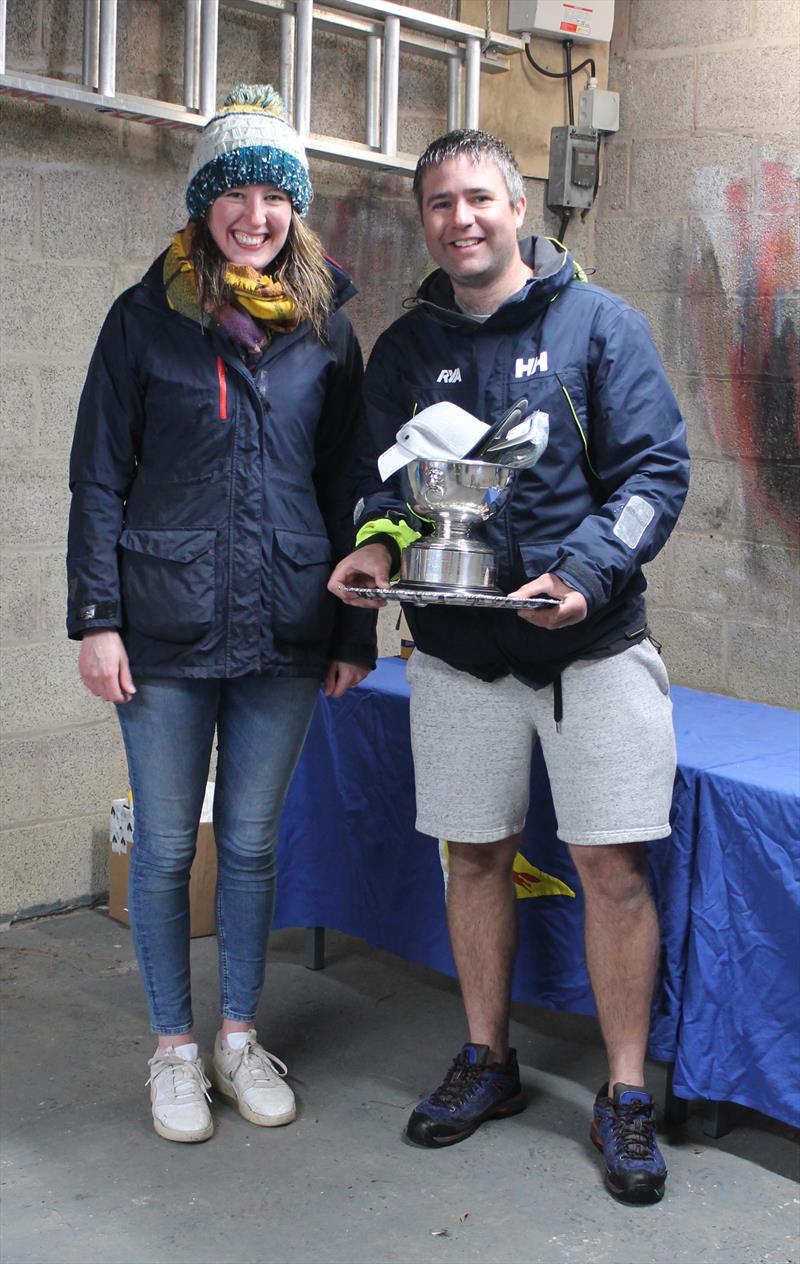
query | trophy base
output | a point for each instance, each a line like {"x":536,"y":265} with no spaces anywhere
{"x":463,"y":565}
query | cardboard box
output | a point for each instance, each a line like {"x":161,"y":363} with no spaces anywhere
{"x":406,"y":639}
{"x":202,"y":884}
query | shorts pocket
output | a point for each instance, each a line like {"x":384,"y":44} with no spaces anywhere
{"x":302,"y":608}
{"x":167,"y":580}
{"x":653,"y":663}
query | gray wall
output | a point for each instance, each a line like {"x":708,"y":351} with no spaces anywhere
{"x":692,"y":226}
{"x":698,"y":226}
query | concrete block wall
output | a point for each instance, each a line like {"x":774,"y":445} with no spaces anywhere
{"x":86,"y":202}
{"x":697,"y":224}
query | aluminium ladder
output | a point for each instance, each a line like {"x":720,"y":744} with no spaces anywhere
{"x":386,"y":27}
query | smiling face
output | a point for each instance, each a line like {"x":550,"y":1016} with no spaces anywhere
{"x":471,"y":230}
{"x":250,"y":224}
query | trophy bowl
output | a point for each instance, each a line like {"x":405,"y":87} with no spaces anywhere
{"x":455,"y":496}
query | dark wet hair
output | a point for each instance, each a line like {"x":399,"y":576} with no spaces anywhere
{"x":474,"y":145}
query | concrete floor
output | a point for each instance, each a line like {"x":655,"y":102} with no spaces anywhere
{"x":87,"y":1180}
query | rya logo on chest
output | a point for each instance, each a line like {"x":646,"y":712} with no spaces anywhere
{"x":449,"y":375}
{"x":536,"y":364}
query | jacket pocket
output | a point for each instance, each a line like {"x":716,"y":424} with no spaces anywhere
{"x":167,"y":580}
{"x":302,"y":607}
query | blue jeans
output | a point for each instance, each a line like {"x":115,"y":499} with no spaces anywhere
{"x":168,"y":730}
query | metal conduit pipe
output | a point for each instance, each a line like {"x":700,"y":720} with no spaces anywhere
{"x":287,"y":55}
{"x":107,"y":49}
{"x":391,"y":74}
{"x":472,"y":82}
{"x":191,"y":51}
{"x":453,"y":92}
{"x":91,"y":41}
{"x":373,"y":88}
{"x":302,"y":105}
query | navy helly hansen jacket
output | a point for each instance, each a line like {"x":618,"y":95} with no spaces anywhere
{"x":604,"y":496}
{"x":209,"y":503}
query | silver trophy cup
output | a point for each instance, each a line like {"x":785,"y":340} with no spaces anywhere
{"x":455,"y":496}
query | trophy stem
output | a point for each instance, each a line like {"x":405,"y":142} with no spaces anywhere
{"x":448,"y":528}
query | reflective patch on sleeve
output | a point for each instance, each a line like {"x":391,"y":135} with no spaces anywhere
{"x":359,"y":509}
{"x":634,"y":521}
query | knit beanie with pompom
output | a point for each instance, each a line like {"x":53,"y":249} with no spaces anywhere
{"x":248,"y":142}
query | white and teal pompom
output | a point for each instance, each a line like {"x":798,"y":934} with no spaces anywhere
{"x":255,"y":96}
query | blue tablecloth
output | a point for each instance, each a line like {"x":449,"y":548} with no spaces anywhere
{"x":725,"y":1010}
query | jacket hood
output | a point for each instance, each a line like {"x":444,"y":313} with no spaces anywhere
{"x":554,"y":269}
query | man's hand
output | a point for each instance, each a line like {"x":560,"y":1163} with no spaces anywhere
{"x":342,"y":676}
{"x":103,"y":666}
{"x":363,"y":568}
{"x":573,"y":606}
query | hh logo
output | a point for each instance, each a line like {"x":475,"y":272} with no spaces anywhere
{"x":449,"y":375}
{"x":536,"y":364}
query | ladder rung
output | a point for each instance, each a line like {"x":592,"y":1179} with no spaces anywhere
{"x":391,"y":79}
{"x":302,"y":80}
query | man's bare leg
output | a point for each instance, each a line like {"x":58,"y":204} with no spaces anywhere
{"x":622,"y":946}
{"x":482,"y":919}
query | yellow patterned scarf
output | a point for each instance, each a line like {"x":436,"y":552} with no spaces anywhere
{"x":254,"y":291}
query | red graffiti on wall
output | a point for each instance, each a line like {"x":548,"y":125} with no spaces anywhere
{"x":748,"y":350}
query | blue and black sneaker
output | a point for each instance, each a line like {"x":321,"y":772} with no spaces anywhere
{"x":624,"y":1128}
{"x":473,"y":1091}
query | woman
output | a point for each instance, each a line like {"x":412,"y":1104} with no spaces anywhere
{"x":210,"y":501}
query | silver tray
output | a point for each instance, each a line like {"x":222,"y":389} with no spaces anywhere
{"x":454,"y":597}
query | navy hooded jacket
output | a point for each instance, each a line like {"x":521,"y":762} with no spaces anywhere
{"x":209,"y":502}
{"x":608,"y":489}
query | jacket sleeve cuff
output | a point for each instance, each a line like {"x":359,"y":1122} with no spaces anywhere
{"x":96,"y":616}
{"x":355,"y":638}
{"x":400,"y":532}
{"x":582,"y":580}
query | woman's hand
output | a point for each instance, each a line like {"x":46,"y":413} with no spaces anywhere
{"x":342,"y":676}
{"x":103,"y":666}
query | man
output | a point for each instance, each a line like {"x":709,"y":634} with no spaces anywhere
{"x":504,"y":319}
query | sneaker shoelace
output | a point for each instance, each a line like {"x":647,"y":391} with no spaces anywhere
{"x":458,"y":1085}
{"x":261,"y":1065}
{"x":634,"y":1130}
{"x":187,"y":1078}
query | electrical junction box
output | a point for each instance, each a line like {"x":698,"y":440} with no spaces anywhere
{"x":583,"y":21}
{"x":597,"y":110}
{"x":573,"y":168}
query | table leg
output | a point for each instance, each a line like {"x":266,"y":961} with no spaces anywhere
{"x":676,"y":1109}
{"x":315,"y":948}
{"x":717,"y":1119}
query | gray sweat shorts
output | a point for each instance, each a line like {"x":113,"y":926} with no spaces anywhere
{"x":611,"y":765}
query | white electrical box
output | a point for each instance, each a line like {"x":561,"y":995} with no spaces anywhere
{"x":598,"y":111}
{"x":584,"y":21}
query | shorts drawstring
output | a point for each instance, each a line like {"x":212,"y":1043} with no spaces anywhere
{"x":558,"y":702}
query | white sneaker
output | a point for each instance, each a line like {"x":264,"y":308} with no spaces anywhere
{"x":253,"y":1078}
{"x":179,"y":1097}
